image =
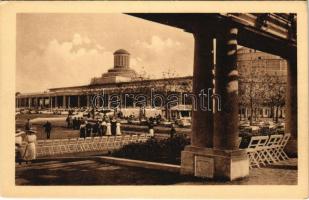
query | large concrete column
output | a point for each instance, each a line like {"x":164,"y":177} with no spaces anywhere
{"x":234,"y":163}
{"x":214,"y":151}
{"x":227,"y":121}
{"x":202,"y":119}
{"x":291,"y":105}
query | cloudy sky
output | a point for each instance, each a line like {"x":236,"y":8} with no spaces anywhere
{"x":57,"y":50}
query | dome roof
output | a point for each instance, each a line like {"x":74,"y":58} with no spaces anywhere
{"x":121,"y":51}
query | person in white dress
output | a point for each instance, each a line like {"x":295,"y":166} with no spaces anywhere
{"x":30,"y":151}
{"x":108,"y":128}
{"x":19,"y":150}
{"x":118,"y":131}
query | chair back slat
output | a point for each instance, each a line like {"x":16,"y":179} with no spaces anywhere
{"x":285,"y":139}
{"x":64,"y":141}
{"x":254,"y":141}
{"x":56,"y":142}
{"x":40,"y":142}
{"x":263,"y":141}
{"x":134,"y":138}
{"x":48,"y":142}
{"x":274,"y":140}
{"x":118,"y":138}
{"x":72,"y":140}
{"x":104,"y":139}
{"x":126,"y":138}
{"x":111,"y":138}
{"x":80,"y":140}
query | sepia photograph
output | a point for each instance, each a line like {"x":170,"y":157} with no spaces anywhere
{"x":158,"y":99}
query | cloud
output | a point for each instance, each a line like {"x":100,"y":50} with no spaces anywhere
{"x":157,"y":55}
{"x":61,"y":64}
{"x":158,"y":44}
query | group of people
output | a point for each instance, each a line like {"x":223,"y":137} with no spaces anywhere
{"x":74,"y":123}
{"x":100,"y":128}
{"x":27,"y":152}
{"x":151,"y":125}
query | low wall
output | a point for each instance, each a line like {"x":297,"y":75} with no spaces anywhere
{"x":141,"y":164}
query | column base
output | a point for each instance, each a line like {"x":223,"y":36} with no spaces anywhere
{"x":214,"y":164}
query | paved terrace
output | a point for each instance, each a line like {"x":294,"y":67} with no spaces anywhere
{"x":92,"y":171}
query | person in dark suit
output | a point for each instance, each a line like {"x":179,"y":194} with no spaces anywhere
{"x":88,"y":129}
{"x":173,"y":131}
{"x":74,"y":122}
{"x":113,"y":126}
{"x":95,"y":128}
{"x":47,"y":127}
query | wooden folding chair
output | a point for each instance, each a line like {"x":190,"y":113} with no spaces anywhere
{"x":95,"y":143}
{"x":269,"y":153}
{"x":39,"y":148}
{"x":125,"y":140}
{"x":64,"y":146}
{"x":117,"y":143}
{"x":110,"y":142}
{"x":142,"y":138}
{"x":56,"y":147}
{"x":72,"y":145}
{"x":103,"y":143}
{"x":147,"y":137}
{"x":134,"y":138}
{"x":280,"y":150}
{"x":251,"y":151}
{"x":48,"y":148}
{"x":79,"y":146}
{"x":260,"y":149}
{"x":87,"y":144}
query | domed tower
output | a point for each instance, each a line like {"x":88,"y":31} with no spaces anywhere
{"x":121,"y":72}
{"x":121,"y":59}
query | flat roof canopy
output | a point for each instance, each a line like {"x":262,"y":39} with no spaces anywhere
{"x":271,"y":33}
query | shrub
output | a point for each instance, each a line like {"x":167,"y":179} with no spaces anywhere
{"x":167,"y":150}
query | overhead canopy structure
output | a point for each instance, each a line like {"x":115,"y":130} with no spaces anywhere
{"x":273,"y":33}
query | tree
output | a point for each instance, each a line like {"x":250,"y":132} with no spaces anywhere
{"x":276,"y":90}
{"x":252,"y":90}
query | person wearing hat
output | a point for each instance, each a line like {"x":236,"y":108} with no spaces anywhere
{"x":47,"y":127}
{"x":30,"y":151}
{"x":28,"y":125}
{"x":18,"y":146}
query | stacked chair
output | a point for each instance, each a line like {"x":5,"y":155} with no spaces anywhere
{"x":267,"y":150}
{"x":89,"y":144}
